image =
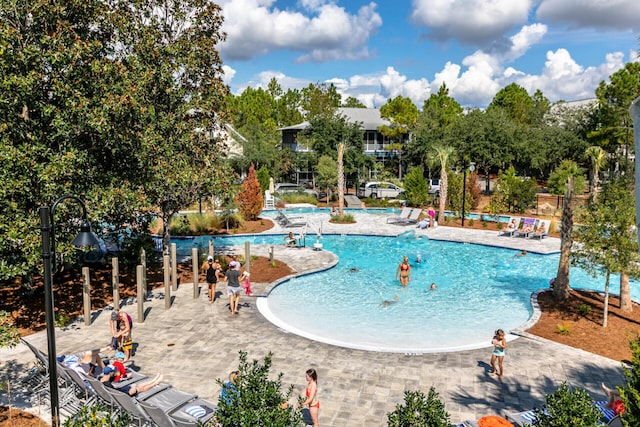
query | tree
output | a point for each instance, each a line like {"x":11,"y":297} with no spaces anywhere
{"x":567,"y":407}
{"x":614,"y":99}
{"x":416,"y":186}
{"x":514,"y":193}
{"x":562,"y":284}
{"x":419,"y":410}
{"x":439,"y":113}
{"x":608,"y":238}
{"x":352,"y":102}
{"x":327,"y":176}
{"x":597,"y":160}
{"x":557,"y":183}
{"x":320,"y":100}
{"x":263,"y":177}
{"x":250,"y":200}
{"x":630,"y":392}
{"x":341,"y":179}
{"x":174,"y":75}
{"x":440,"y":156}
{"x":258,"y":400}
{"x":515,"y":100}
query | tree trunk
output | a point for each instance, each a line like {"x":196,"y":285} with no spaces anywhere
{"x":625,"y":293}
{"x":341,"y":180}
{"x":444,"y":182}
{"x":605,"y":312}
{"x":562,"y":285}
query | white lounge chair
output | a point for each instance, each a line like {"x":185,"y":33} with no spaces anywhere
{"x":542,"y":229}
{"x":512,"y":226}
{"x":528,"y":225}
{"x":404,"y":215}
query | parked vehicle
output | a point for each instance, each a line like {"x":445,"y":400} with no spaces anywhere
{"x":284,"y":188}
{"x":434,"y":186}
{"x":380,"y":190}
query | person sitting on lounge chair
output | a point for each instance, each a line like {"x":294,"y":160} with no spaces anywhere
{"x":528,"y":228}
{"x":513,"y":225}
{"x":542,"y":229}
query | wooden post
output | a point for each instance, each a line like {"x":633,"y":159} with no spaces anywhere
{"x":194,"y":263}
{"x":167,"y":278}
{"x":86,"y":295}
{"x":115,"y":282}
{"x":271,"y":254}
{"x":174,"y":268}
{"x":143,"y":262}
{"x":211,"y":248}
{"x":140,"y":295}
{"x":247,"y":256}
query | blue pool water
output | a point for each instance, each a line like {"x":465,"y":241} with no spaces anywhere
{"x":479,"y":289}
{"x":312,"y":209}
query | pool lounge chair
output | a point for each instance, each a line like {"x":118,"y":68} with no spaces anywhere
{"x":609,"y":417}
{"x":414,"y":217}
{"x":542,"y":229}
{"x":512,"y":226}
{"x":290,"y":221}
{"x":404,"y":214}
{"x":528,"y":225}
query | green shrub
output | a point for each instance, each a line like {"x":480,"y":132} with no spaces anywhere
{"x":584,"y":309}
{"x":229,"y":219}
{"x":630,"y":392}
{"x":471,"y":222}
{"x":484,"y":224}
{"x":298,"y":198}
{"x":258,"y":400}
{"x":500,"y":225}
{"x":567,"y":407}
{"x":61,"y":320}
{"x":98,"y":415}
{"x":201,"y":222}
{"x":344,"y":219}
{"x":180,"y":226}
{"x":419,"y":410}
{"x":9,"y":335}
{"x":129,"y":255}
{"x":563,"y":329}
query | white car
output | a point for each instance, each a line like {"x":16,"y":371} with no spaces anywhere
{"x":434,"y":186}
{"x":380,"y":190}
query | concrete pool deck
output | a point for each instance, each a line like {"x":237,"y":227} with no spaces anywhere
{"x":194,"y":342}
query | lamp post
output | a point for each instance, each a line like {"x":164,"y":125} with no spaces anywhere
{"x":472,"y":167}
{"x":85,"y":238}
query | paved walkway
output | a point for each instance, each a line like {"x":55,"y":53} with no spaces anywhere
{"x":195,"y":342}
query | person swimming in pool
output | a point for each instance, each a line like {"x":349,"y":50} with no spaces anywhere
{"x":404,"y":269}
{"x":388,"y":302}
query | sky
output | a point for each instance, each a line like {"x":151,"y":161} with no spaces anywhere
{"x":377,"y":50}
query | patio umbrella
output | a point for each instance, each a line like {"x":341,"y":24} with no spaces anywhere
{"x":272,"y":187}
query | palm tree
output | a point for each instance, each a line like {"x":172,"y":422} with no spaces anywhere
{"x":562,"y":285}
{"x":440,"y":156}
{"x":598,"y":158}
{"x":341,"y":179}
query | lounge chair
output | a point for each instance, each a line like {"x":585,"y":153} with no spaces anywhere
{"x":404,"y":214}
{"x":542,"y":229}
{"x":414,"y":217}
{"x":290,"y":220}
{"x":527,"y":417}
{"x":528,"y":225}
{"x":269,"y":200}
{"x":194,"y":413}
{"x":512,"y":226}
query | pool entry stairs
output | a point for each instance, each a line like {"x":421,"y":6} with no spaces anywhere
{"x":352,"y":201}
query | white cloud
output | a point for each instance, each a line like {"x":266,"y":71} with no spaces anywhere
{"x":476,"y":22}
{"x":229,"y":73}
{"x":528,"y":36}
{"x":326,"y":32}
{"x":599,"y":14}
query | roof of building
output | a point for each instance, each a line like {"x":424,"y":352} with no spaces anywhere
{"x":369,"y":117}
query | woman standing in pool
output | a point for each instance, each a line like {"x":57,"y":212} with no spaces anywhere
{"x":499,"y":344}
{"x":404,"y":269}
{"x":311,"y":395}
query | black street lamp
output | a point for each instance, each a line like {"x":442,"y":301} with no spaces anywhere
{"x":85,"y":238}
{"x":472,"y":167}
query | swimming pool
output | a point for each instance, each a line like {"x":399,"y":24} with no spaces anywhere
{"x":479,"y":289}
